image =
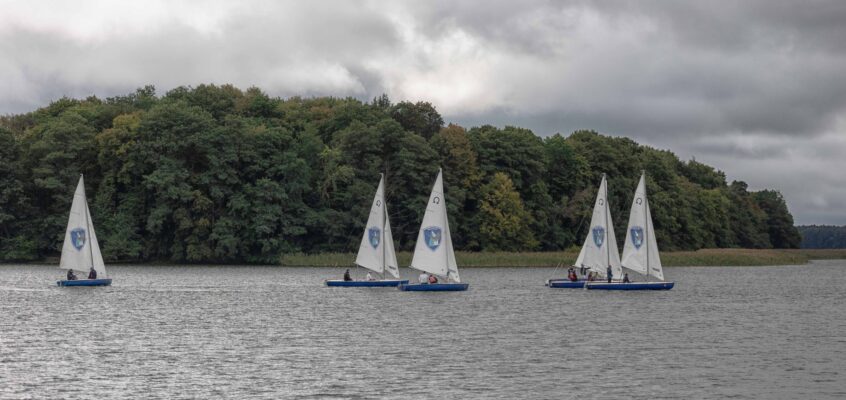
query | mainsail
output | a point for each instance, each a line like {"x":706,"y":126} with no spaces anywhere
{"x":81,"y":250}
{"x":640,"y":253}
{"x":376,"y":251}
{"x":433,"y":252}
{"x":600,"y":247}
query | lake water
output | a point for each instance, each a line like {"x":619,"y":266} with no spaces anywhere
{"x":273,"y":332}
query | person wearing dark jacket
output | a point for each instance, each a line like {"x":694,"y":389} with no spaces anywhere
{"x":347,"y":277}
{"x":92,"y":274}
{"x":71,"y":275}
{"x":609,"y":274}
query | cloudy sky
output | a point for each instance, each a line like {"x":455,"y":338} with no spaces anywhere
{"x":755,"y":88}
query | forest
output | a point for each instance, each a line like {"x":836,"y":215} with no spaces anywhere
{"x":217,"y":174}
{"x":823,"y":236}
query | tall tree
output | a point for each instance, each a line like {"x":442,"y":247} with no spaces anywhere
{"x":420,"y":118}
{"x":504,"y":222}
{"x":783,"y":234}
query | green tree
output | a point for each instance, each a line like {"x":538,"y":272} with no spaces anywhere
{"x":783,"y":234}
{"x":748,"y":221}
{"x":420,"y":118}
{"x":462,"y":178}
{"x":504,"y":221}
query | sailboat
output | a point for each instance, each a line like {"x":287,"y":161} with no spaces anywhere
{"x":433,"y":252}
{"x":600,"y":247}
{"x":376,"y":251}
{"x":81,"y":252}
{"x":640,"y":253}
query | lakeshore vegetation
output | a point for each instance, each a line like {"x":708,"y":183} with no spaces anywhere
{"x":698,"y":258}
{"x":223,"y":175}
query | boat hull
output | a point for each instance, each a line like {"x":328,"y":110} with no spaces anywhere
{"x":380,"y":283}
{"x":565,"y":284}
{"x":630,"y":286}
{"x":85,"y":282}
{"x":434,"y":287}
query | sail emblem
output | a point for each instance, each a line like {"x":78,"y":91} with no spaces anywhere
{"x":637,"y":236}
{"x":78,"y":238}
{"x":374,"y":236}
{"x":432,"y":237}
{"x":598,"y":235}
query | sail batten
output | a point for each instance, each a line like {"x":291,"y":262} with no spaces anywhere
{"x":80,"y":250}
{"x":433,"y":252}
{"x":640,"y":253}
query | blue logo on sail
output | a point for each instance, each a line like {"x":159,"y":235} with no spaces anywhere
{"x":374,"y":236}
{"x":598,"y":235}
{"x":77,"y":236}
{"x":432,"y":237}
{"x":637,"y":236}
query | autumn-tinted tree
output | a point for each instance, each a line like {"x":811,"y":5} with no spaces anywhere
{"x":504,"y":222}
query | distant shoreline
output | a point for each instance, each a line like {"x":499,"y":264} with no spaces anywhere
{"x":485,"y":259}
{"x":699,"y":258}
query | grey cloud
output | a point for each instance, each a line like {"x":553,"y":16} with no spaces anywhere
{"x":310,"y":50}
{"x":748,"y":67}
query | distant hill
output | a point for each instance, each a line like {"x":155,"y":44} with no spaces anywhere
{"x":219,"y":174}
{"x":823,"y":236}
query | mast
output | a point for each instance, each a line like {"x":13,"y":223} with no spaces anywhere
{"x":384,"y":218}
{"x":87,"y":222}
{"x":446,"y":229}
{"x":607,"y":245}
{"x":647,"y":223}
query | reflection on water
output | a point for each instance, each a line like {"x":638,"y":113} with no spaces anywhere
{"x":195,"y":332}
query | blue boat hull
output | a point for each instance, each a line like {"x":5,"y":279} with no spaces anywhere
{"x":86,"y":282}
{"x":381,"y":283}
{"x":630,"y":286}
{"x":565,"y":284}
{"x":434,"y":287}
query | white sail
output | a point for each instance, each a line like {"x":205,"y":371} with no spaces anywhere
{"x":600,"y":247}
{"x":580,"y":260}
{"x":433,"y":252}
{"x":640,"y":253}
{"x":391,"y":265}
{"x":376,"y":251}
{"x":452,"y":264}
{"x":80,"y":250}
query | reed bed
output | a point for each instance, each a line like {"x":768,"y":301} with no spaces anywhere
{"x":704,"y":257}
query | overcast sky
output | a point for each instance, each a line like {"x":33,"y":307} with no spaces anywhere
{"x":754,"y":88}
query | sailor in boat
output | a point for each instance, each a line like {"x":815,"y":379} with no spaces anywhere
{"x":433,"y":279}
{"x":423,"y":278}
{"x":71,"y":275}
{"x":571,"y":275}
{"x":370,"y":277}
{"x":92,"y":274}
{"x":590,"y":276}
{"x":347,"y":277}
{"x":626,"y":278}
{"x":583,"y":270}
{"x":608,"y":273}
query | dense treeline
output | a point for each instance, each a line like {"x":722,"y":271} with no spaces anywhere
{"x":823,"y":236}
{"x":217,"y":174}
